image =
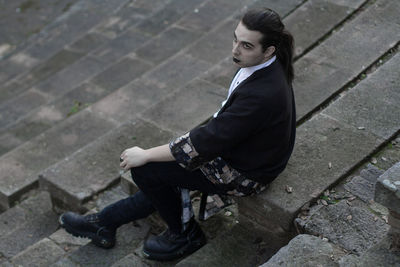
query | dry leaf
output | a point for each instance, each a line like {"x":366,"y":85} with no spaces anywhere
{"x":289,"y":189}
{"x":351,"y":198}
{"x":349,"y":217}
{"x":323,"y":201}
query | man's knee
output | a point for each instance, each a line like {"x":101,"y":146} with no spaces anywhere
{"x":143,"y":175}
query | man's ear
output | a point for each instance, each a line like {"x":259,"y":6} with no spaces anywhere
{"x":269,"y":51}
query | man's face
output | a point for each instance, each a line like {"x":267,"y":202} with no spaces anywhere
{"x":247,"y":50}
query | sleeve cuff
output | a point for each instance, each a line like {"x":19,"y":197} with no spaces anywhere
{"x":185,"y":153}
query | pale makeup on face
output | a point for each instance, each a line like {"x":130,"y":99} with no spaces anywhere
{"x":247,"y":50}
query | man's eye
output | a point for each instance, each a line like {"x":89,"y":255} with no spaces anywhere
{"x":246,"y":46}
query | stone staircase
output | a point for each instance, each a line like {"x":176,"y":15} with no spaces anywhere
{"x":99,"y":78}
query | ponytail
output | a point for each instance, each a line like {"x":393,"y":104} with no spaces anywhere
{"x":284,"y":53}
{"x":274,"y":33}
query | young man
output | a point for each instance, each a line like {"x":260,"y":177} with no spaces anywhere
{"x":238,"y":152}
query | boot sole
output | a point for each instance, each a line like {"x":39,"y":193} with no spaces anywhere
{"x":183,"y":251}
{"x":82,"y":234}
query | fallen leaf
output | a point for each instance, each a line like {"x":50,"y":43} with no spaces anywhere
{"x":323,"y":201}
{"x":228,"y":213}
{"x":351,"y":198}
{"x":349,"y":217}
{"x":289,"y":189}
{"x":374,"y":161}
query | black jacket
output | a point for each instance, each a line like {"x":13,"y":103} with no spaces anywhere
{"x":254,"y":131}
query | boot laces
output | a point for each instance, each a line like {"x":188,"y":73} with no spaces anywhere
{"x":92,"y":218}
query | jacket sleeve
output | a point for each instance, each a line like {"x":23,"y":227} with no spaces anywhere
{"x":221,"y":134}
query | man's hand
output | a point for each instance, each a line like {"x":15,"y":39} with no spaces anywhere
{"x":136,"y":156}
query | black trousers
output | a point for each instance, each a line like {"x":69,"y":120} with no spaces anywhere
{"x":158,"y":183}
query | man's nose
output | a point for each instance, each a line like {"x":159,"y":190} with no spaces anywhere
{"x":235,"y":49}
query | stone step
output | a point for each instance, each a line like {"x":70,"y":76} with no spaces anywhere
{"x":74,"y":180}
{"x":370,"y":32}
{"x":346,"y":230}
{"x":62,"y":86}
{"x":307,"y":250}
{"x":241,"y":245}
{"x":128,"y":25}
{"x":80,"y":17}
{"x":354,"y":222}
{"x":23,"y":225}
{"x":88,"y":66}
{"x":334,"y":142}
{"x":314,"y":19}
{"x":20,"y":167}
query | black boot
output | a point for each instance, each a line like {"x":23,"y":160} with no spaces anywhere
{"x":170,"y":246}
{"x":88,"y":226}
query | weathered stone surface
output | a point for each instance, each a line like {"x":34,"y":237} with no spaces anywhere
{"x":387,"y":189}
{"x":67,"y":241}
{"x":47,"y":116}
{"x":380,"y":254}
{"x":166,"y":16}
{"x":307,"y":251}
{"x":10,"y":90}
{"x":370,"y":32}
{"x":281,"y":7}
{"x":371,"y":173}
{"x":361,"y":188}
{"x":215,"y":45}
{"x":166,"y":44}
{"x":65,"y":262}
{"x":97,"y":164}
{"x":374,"y":103}
{"x":120,"y":73}
{"x":319,"y":145}
{"x":28,"y":234}
{"x":17,"y":107}
{"x":222,"y":73}
{"x":128,"y":239}
{"x":19,"y":168}
{"x":127,"y":16}
{"x":198,"y":100}
{"x":328,"y":14}
{"x":77,"y":19}
{"x":131,"y":260}
{"x":353,"y":228}
{"x":176,"y":72}
{"x":126,"y":103}
{"x":88,"y":42}
{"x":31,"y":208}
{"x":122,"y":45}
{"x":206,"y":16}
{"x":71,"y":77}
{"x":220,"y":252}
{"x":43,"y":253}
{"x":109,"y":197}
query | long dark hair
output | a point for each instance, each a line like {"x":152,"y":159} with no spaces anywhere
{"x":274,"y":33}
